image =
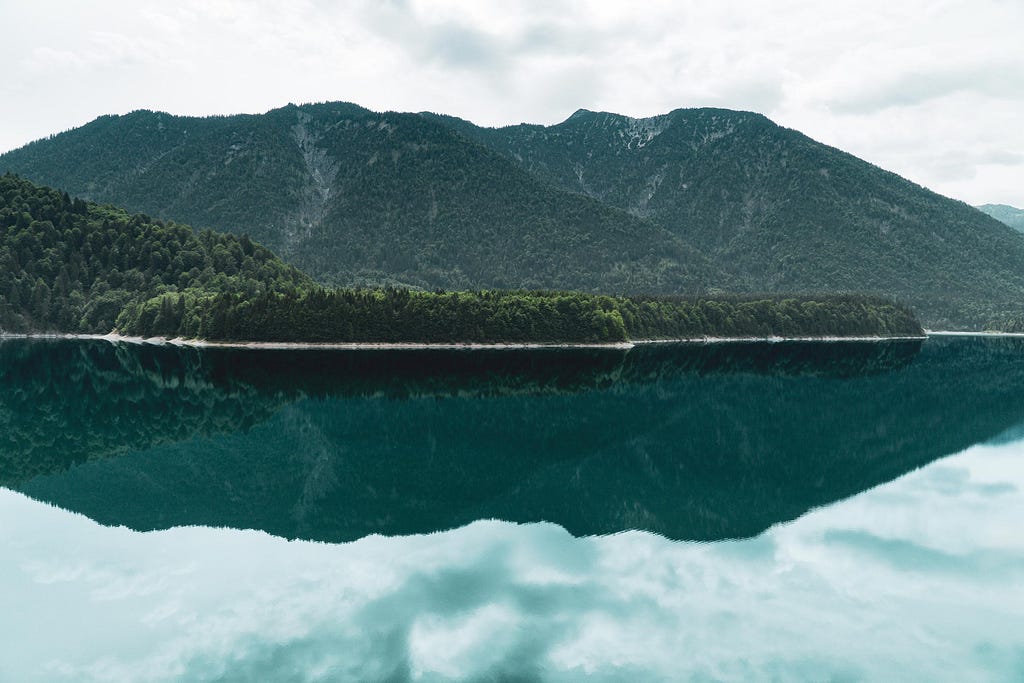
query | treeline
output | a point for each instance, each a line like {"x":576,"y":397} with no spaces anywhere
{"x":72,"y":266}
{"x":781,"y":315}
{"x":1013,"y":324}
{"x":381,"y":315}
{"x":401,"y":315}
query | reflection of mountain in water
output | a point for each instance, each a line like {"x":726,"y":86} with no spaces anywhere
{"x":692,"y":442}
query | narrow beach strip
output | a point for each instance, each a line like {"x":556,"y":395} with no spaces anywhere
{"x":411,"y":346}
{"x":955,"y":333}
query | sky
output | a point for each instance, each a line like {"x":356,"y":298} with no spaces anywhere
{"x":930,"y":89}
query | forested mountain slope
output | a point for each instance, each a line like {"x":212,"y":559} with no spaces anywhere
{"x":777,"y":210}
{"x":693,"y":201}
{"x":72,"y":266}
{"x":353,"y":197}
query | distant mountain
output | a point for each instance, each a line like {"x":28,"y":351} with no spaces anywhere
{"x":1010,"y":215}
{"x":352,"y":196}
{"x":776,"y":210}
{"x":694,"y":200}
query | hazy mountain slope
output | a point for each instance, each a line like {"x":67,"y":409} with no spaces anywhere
{"x":1003,"y":213}
{"x":352,"y":196}
{"x":778,"y":210}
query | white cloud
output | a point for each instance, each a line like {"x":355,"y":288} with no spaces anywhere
{"x":895,"y":83}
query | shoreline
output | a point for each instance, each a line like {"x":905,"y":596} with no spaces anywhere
{"x":396,"y":346}
{"x":954,"y":333}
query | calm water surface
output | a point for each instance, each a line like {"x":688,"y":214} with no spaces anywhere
{"x":784,"y":512}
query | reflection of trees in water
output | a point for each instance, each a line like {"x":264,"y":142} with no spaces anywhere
{"x":695,"y":442}
{"x":66,"y":402}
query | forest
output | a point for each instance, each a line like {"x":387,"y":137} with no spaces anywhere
{"x":67,"y":265}
{"x":402,"y":315}
{"x":71,"y":266}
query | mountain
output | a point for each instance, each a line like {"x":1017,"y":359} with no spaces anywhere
{"x":1010,"y":215}
{"x":776,"y":210}
{"x":352,"y":196}
{"x":694,"y":200}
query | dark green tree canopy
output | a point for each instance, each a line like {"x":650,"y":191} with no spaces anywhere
{"x":71,"y":266}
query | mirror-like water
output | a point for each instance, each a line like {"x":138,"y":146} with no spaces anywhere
{"x":536,"y":515}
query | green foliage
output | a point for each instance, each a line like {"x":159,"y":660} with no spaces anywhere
{"x":71,"y":266}
{"x":827,"y":315}
{"x":382,"y":315}
{"x":401,"y":315}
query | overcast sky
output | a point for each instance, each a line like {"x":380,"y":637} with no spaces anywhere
{"x":931,"y":89}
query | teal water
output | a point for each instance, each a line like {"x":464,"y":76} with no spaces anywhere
{"x":790,"y":511}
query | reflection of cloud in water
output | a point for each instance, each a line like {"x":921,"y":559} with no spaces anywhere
{"x":922,"y":578}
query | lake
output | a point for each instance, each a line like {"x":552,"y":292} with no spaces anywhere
{"x":749,"y":511}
